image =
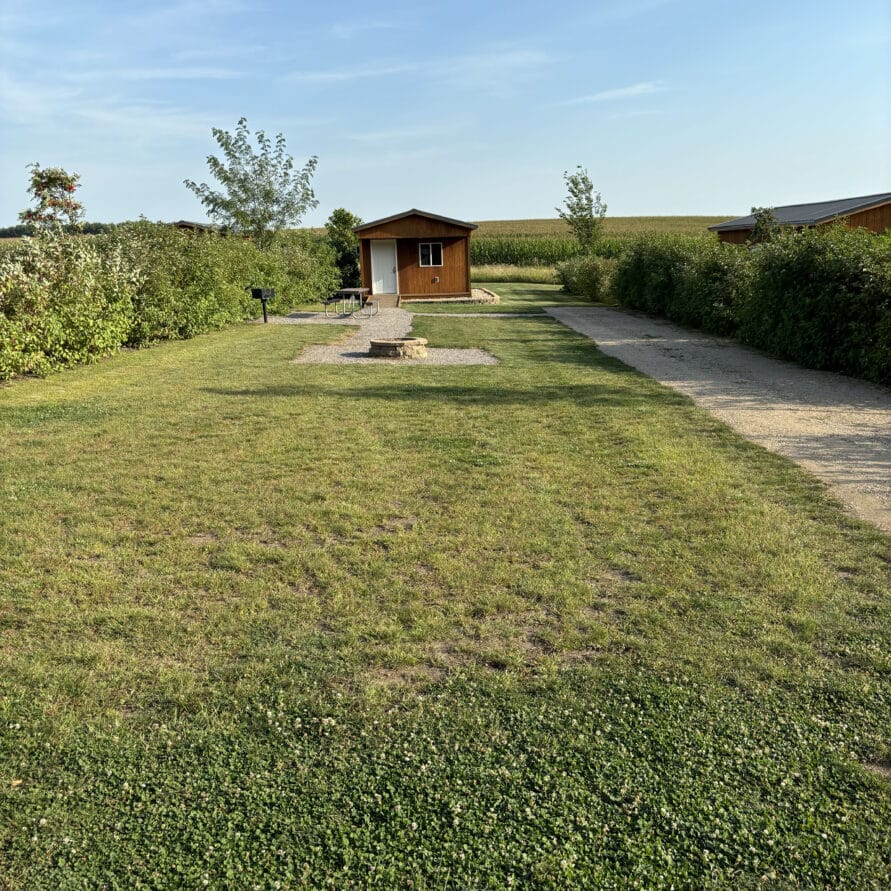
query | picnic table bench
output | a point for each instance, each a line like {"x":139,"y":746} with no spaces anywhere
{"x":347,"y":301}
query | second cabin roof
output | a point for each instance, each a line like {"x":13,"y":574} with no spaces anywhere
{"x":809,"y":214}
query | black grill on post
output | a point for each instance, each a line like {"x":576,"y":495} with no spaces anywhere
{"x":262,"y":294}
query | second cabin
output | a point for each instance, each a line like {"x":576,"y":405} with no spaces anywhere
{"x":415,"y":256}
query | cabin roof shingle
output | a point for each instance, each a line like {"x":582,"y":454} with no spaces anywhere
{"x":809,"y":214}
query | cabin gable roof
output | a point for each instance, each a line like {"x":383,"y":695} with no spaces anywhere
{"x":414,"y":212}
{"x":809,"y":214}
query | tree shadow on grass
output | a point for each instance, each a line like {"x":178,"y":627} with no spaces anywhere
{"x":476,"y":394}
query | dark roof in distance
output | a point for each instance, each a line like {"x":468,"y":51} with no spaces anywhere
{"x":188,"y":224}
{"x":415,"y":212}
{"x":809,"y":214}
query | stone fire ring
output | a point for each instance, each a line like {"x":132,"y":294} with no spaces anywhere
{"x":399,"y":348}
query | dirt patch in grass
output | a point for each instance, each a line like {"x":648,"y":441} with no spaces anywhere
{"x":202,"y":539}
{"x":881,"y":768}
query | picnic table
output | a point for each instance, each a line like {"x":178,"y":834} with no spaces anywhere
{"x":346,"y":301}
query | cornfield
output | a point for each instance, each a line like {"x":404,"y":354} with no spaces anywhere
{"x":520,"y":250}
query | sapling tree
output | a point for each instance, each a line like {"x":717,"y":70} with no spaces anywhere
{"x":339,"y":230}
{"x":262,"y":191}
{"x":52,"y":191}
{"x":583,"y":208}
{"x":765,"y":227}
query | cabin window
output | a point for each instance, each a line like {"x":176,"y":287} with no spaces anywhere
{"x":431,"y":253}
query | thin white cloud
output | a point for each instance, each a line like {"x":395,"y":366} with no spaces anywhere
{"x":23,"y":103}
{"x":142,"y":123}
{"x":492,"y":70}
{"x":67,"y":109}
{"x":168,"y":18}
{"x":487,"y":71}
{"x":405,"y":134}
{"x":644,"y":88}
{"x":638,"y":113}
{"x":625,"y":9}
{"x":349,"y":30}
{"x":110,"y":75}
{"x":342,"y":75}
{"x":221,"y":51}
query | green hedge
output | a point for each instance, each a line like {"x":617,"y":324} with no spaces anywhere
{"x":821,"y":297}
{"x":587,"y":276}
{"x":68,"y":299}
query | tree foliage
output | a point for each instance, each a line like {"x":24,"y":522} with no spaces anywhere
{"x":52,"y":191}
{"x":766,"y":225}
{"x":345,"y":244}
{"x":261,"y":191}
{"x":583,"y":208}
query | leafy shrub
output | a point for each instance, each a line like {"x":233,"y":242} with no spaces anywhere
{"x":822,"y":297}
{"x":61,"y":303}
{"x":308,"y":268}
{"x":646,"y":275}
{"x":710,"y":285}
{"x":586,"y":276}
{"x":67,"y":299}
{"x":195,"y":282}
{"x":191,"y":282}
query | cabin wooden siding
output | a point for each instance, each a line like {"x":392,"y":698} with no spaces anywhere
{"x":735,"y":236}
{"x":365,"y":263}
{"x":878,"y":219}
{"x":418,"y":281}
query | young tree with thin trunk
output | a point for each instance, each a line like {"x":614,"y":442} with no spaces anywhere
{"x":52,"y":190}
{"x":261,"y":191}
{"x":583,"y":208}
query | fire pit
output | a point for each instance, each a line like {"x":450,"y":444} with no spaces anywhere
{"x":399,"y":348}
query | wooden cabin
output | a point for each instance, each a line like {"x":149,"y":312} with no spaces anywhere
{"x":870,"y":212}
{"x":415,"y":256}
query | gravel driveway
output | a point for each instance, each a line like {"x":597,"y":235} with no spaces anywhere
{"x":837,"y":427}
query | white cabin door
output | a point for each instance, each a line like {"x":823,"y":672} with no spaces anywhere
{"x":383,"y":267}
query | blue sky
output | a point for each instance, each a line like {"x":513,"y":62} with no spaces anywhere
{"x":469,"y":109}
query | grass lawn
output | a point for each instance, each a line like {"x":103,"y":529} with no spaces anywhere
{"x":514,"y":297}
{"x":543,"y":623}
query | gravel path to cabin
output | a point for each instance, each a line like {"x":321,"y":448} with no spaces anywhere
{"x":387,"y":323}
{"x":837,"y":427}
{"x":309,"y":318}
